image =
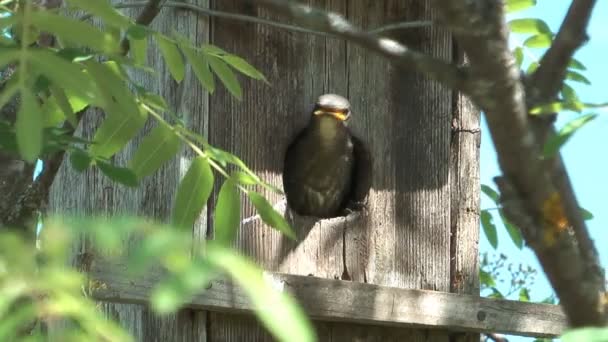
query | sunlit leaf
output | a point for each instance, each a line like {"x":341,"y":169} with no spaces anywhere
{"x":65,"y":74}
{"x":524,"y":295}
{"x":532,"y":68}
{"x":540,"y":41}
{"x":518,"y":53}
{"x":244,"y":67}
{"x":529,"y":25}
{"x":155,"y":150}
{"x":276,"y":309}
{"x":118,"y":174}
{"x":64,"y":104}
{"x":172,"y":57}
{"x":227,"y":213}
{"x":269,"y":215}
{"x":199,"y":66}
{"x":115,"y":132}
{"x":29,"y":126}
{"x":245,"y":178}
{"x":556,"y":141}
{"x":489,"y":228}
{"x":138,"y":49}
{"x":192,"y":194}
{"x":556,"y":107}
{"x":518,"y":5}
{"x":226,"y":76}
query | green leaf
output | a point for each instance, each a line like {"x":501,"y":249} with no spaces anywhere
{"x":276,"y":309}
{"x":124,"y":119}
{"x":153,"y":247}
{"x":270,"y":216}
{"x":244,"y":67}
{"x":491,"y":193}
{"x":587,"y":215}
{"x":496,"y":294}
{"x":524,"y":295}
{"x":74,"y":31}
{"x":556,"y":141}
{"x":138,"y":32}
{"x":489,"y":228}
{"x":518,"y":53}
{"x":512,"y":230}
{"x":138,"y":49}
{"x":8,"y":55}
{"x":486,"y":279}
{"x":65,"y":74}
{"x":155,"y":150}
{"x":29,"y":126}
{"x":540,"y":41}
{"x":104,"y":10}
{"x":586,"y":334}
{"x":518,"y":5}
{"x":569,"y":94}
{"x":80,"y":160}
{"x":172,"y":57}
{"x":529,"y":25}
{"x":192,"y":194}
{"x":174,"y":292}
{"x":576,"y":64}
{"x":556,"y":107}
{"x":154,"y":101}
{"x":115,"y":132}
{"x":577,"y":77}
{"x":226,"y":76}
{"x":64,"y":104}
{"x":227,"y":213}
{"x":199,"y":66}
{"x":244,"y":178}
{"x":118,"y":174}
{"x":532,"y":68}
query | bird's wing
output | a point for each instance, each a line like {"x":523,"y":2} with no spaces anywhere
{"x":362,"y":172}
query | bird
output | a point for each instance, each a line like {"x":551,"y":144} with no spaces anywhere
{"x":327,"y":169}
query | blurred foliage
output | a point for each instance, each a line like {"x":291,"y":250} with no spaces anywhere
{"x":37,"y":284}
{"x":87,"y":68}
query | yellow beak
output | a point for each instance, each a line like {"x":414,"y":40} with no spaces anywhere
{"x":338,"y":115}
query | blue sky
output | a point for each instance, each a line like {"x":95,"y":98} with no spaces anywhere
{"x":585,"y":155}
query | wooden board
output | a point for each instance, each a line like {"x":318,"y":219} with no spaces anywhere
{"x":91,"y":193}
{"x":353,"y":303}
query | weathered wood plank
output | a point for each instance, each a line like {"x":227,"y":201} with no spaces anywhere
{"x":353,"y":302}
{"x":92,"y":193}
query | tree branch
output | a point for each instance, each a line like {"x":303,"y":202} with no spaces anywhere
{"x":28,"y":196}
{"x":537,"y":195}
{"x":319,"y":20}
{"x":547,"y":80}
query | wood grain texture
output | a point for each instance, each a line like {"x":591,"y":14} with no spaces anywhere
{"x":349,"y":302}
{"x":464,"y":194}
{"x":404,"y":117}
{"x":91,"y":193}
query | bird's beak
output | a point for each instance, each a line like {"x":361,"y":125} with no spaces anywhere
{"x":338,"y":115}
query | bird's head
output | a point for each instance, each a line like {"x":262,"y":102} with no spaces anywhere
{"x":332,"y":106}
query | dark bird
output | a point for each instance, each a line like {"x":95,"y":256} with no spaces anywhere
{"x":327,"y":170}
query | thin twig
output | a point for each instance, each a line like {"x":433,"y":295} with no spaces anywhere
{"x":247,"y":18}
{"x":547,"y":81}
{"x":312,"y":18}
